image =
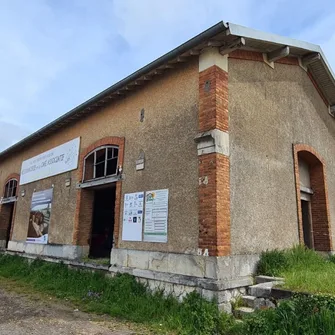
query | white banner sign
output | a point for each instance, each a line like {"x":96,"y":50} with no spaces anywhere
{"x":156,"y":216}
{"x":50,"y":163}
{"x":133,"y":216}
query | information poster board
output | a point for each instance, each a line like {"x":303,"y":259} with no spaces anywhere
{"x":133,"y":216}
{"x":39,"y":218}
{"x":156,"y":215}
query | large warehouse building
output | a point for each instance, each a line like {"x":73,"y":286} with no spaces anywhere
{"x":183,"y":172}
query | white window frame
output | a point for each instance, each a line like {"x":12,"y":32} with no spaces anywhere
{"x":94,"y":152}
{"x":7,"y":198}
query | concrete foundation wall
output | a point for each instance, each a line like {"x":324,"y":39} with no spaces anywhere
{"x":270,"y":109}
{"x":47,"y":250}
{"x":219,"y":278}
{"x":227,"y":268}
{"x":166,"y":136}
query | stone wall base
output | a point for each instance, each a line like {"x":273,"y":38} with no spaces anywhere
{"x":48,"y":250}
{"x":222,"y":279}
{"x":220,"y":268}
{"x":223,"y":298}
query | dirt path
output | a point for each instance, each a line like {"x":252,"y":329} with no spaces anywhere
{"x":24,"y":314}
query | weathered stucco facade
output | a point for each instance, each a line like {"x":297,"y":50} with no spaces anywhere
{"x":270,"y":110}
{"x":165,"y":136}
{"x":243,"y":140}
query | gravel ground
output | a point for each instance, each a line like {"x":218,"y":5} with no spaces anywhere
{"x":24,"y":314}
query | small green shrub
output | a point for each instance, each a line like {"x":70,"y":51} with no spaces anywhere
{"x":272,"y":263}
{"x":309,"y":304}
{"x":331,"y":258}
{"x":298,"y":316}
{"x":200,"y":315}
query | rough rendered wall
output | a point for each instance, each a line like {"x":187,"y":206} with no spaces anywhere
{"x":269,"y":111}
{"x":167,"y":138}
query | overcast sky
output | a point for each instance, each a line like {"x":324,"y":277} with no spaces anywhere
{"x":55,"y":54}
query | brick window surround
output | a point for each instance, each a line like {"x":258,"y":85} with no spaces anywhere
{"x":319,"y":203}
{"x":85,"y":197}
{"x":5,"y":209}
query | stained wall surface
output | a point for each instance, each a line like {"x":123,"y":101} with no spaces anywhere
{"x":167,"y":138}
{"x":270,"y":109}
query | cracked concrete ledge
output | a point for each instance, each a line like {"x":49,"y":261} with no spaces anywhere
{"x":227,"y":268}
{"x":191,"y":281}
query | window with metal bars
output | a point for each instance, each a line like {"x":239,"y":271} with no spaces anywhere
{"x":10,"y":188}
{"x":101,"y":163}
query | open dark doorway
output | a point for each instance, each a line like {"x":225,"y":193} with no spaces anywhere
{"x":7,"y":212}
{"x":307,"y":223}
{"x":103,"y":222}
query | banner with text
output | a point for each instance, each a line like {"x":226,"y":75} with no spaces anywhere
{"x":50,"y":163}
{"x":39,"y":219}
{"x":156,"y":216}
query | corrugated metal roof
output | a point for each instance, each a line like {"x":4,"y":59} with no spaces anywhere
{"x":220,"y":34}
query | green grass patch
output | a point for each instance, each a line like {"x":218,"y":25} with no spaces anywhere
{"x":303,"y":269}
{"x":302,"y":315}
{"x":121,"y":296}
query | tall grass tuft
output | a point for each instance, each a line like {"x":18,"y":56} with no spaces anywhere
{"x":303,"y":269}
{"x":272,"y":263}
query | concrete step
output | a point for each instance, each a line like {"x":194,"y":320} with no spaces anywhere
{"x":239,"y":312}
{"x":248,"y":300}
{"x":262,"y":290}
{"x":265,"y":279}
{"x":256,"y":303}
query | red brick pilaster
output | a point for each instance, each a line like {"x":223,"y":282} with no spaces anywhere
{"x":213,"y":99}
{"x":214,"y":183}
{"x":84,"y":208}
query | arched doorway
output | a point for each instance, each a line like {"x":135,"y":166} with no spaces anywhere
{"x":99,"y":196}
{"x":312,"y":199}
{"x":8,"y":201}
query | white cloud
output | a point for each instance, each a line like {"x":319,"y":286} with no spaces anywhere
{"x":56,"y":54}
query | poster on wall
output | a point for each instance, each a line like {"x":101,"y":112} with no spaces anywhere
{"x":156,"y":215}
{"x":133,"y":216}
{"x":39,"y":218}
{"x":50,"y":163}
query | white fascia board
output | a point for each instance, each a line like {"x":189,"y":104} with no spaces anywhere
{"x":235,"y":29}
{"x":272,"y":38}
